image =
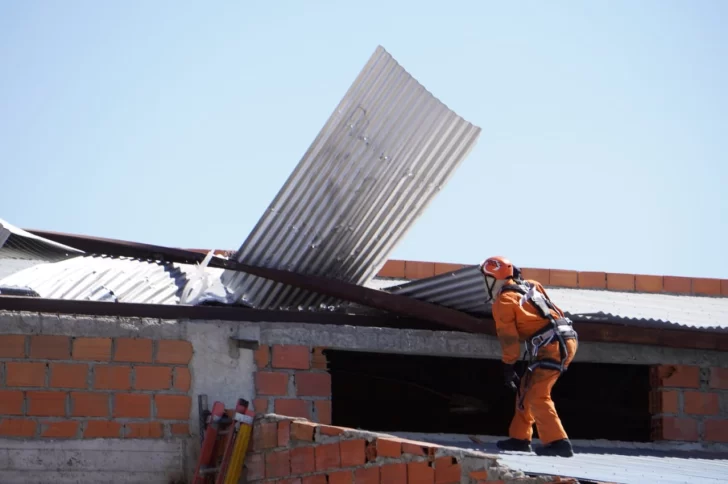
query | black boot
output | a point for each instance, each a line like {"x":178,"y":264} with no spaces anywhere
{"x":558,"y":448}
{"x":515,"y":445}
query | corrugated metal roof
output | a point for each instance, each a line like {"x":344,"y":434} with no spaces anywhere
{"x":98,"y":278}
{"x":613,"y":464}
{"x":464,"y":290}
{"x":383,"y":155}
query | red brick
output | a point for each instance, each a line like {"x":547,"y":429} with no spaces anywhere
{"x":133,"y":350}
{"x":69,"y":375}
{"x":17,"y":427}
{"x":420,"y":473}
{"x":11,"y":402}
{"x":173,"y":407}
{"x":317,"y":479}
{"x":367,"y":475}
{"x":562,"y":278}
{"x":645,"y":283}
{"x":47,"y":404}
{"x":177,"y":352}
{"x":677,"y":285}
{"x":144,"y":430}
{"x":25,"y":374}
{"x":371,"y":451}
{"x":260,"y":405}
{"x":327,"y":456}
{"x":392,"y":268}
{"x":444,"y":268}
{"x":112,"y":377}
{"x":265,"y":436}
{"x":330,"y":431}
{"x":341,"y":477}
{"x":12,"y":346}
{"x":254,"y":467}
{"x":318,"y":359}
{"x":46,"y":347}
{"x":418,"y":269}
{"x":352,"y":452}
{"x":133,"y":405}
{"x":92,"y":349}
{"x":323,"y":411}
{"x":291,"y":357}
{"x":697,"y":403}
{"x":295,"y":480}
{"x":540,"y":275}
{"x":102,"y":428}
{"x":388,"y":447}
{"x":447,"y":471}
{"x":724,"y":287}
{"x":152,"y":377}
{"x":483,"y":475}
{"x":293,"y":408}
{"x":706,"y":287}
{"x":393,"y":474}
{"x":262,"y":356}
{"x":271,"y":383}
{"x":65,"y":429}
{"x":592,"y":280}
{"x":182,"y":379}
{"x":620,"y":282}
{"x":284,"y":433}
{"x":302,"y":460}
{"x":181,"y":429}
{"x":278,"y":464}
{"x":719,"y":378}
{"x":664,"y":401}
{"x":674,"y":428}
{"x":680,"y":376}
{"x":716,"y":430}
{"x":89,"y":404}
{"x":418,"y":448}
{"x":303,"y":431}
{"x":313,"y":384}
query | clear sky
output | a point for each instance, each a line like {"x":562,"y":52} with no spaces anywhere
{"x":604,"y":142}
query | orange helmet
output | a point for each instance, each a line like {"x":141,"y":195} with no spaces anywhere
{"x":498,"y":267}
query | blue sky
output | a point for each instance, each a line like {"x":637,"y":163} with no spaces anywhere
{"x":176,"y":123}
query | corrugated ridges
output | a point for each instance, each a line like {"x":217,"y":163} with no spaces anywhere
{"x":382,"y":156}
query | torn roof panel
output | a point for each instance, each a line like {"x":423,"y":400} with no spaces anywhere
{"x":101,"y":278}
{"x":464,"y":290}
{"x":383,"y":155}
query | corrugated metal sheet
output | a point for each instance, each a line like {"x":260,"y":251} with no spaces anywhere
{"x":614,"y":464}
{"x":383,"y":155}
{"x":99,"y":278}
{"x":464,"y":289}
{"x":16,"y":243}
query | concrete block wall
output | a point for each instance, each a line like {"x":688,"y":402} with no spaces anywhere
{"x":293,"y":380}
{"x":689,"y":403}
{"x":296,"y":451}
{"x":65,"y":387}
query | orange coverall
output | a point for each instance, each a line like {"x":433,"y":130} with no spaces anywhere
{"x":514,"y":324}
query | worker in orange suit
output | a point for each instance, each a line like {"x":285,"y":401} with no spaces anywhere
{"x":523,"y":312}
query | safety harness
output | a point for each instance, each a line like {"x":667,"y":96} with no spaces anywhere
{"x":559,"y":329}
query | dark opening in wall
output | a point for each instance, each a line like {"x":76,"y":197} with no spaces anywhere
{"x":390,"y":392}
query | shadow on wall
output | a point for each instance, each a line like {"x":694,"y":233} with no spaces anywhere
{"x":405,"y":393}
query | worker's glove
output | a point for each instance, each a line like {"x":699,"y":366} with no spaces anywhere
{"x":511,"y":377}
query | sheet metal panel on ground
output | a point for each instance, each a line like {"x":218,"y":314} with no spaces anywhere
{"x":464,"y":290}
{"x":383,"y":155}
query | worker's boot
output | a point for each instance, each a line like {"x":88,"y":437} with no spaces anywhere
{"x":558,"y":448}
{"x":515,"y":445}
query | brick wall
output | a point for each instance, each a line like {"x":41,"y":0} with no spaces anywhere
{"x":65,"y":387}
{"x":293,"y":380}
{"x":689,"y":403}
{"x":294,"y":451}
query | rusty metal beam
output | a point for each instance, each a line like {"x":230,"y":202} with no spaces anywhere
{"x":365,"y":296}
